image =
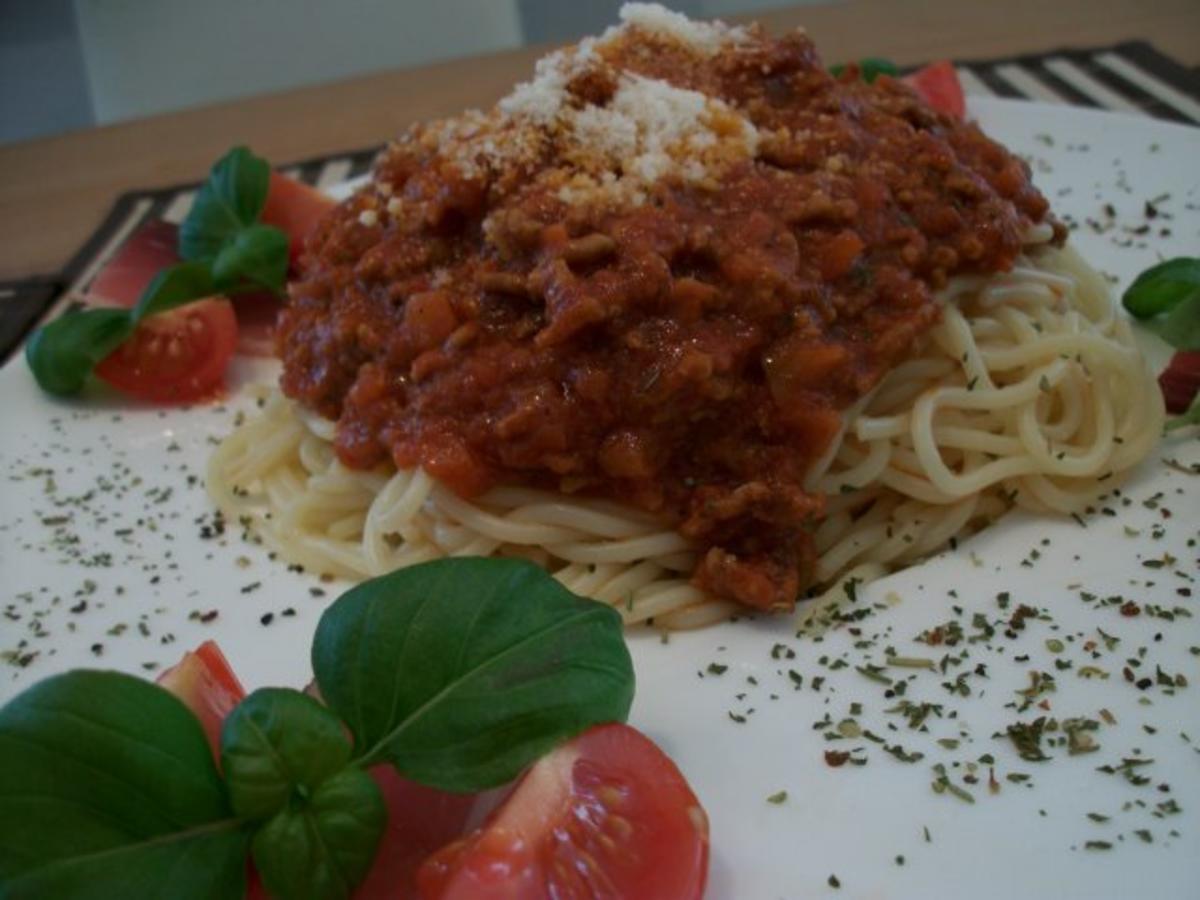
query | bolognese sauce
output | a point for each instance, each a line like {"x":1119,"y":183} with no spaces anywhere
{"x":659,"y":273}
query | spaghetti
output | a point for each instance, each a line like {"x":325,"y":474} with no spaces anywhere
{"x":1029,"y":392}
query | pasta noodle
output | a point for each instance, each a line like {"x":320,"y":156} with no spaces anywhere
{"x":1030,"y":392}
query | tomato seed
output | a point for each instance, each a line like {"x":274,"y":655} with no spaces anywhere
{"x":620,"y":826}
{"x":610,"y":797}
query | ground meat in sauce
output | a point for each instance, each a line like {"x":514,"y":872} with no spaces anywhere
{"x":688,"y":352}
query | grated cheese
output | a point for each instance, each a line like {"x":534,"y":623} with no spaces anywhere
{"x":707,"y":37}
{"x":652,"y":129}
{"x":594,"y":132}
{"x":542,"y":98}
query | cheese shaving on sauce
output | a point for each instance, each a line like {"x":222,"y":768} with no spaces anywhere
{"x":706,"y":37}
{"x":607,"y":134}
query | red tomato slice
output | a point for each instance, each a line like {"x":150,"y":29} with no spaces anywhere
{"x":938,"y":85}
{"x":1180,"y":381}
{"x":605,"y":815}
{"x":177,"y":356}
{"x":204,"y":681}
{"x":296,"y":208}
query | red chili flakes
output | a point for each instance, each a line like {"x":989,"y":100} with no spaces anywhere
{"x":836,"y":758}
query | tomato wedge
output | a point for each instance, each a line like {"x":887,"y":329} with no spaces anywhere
{"x":605,"y":815}
{"x":1180,"y":381}
{"x":179,"y":356}
{"x":938,"y":85}
{"x":206,"y":684}
{"x":296,"y":208}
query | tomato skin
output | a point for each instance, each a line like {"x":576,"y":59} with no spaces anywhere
{"x":1180,"y":381}
{"x":420,"y":820}
{"x":938,"y":85}
{"x":206,"y":684}
{"x":179,"y":356}
{"x":295,"y":208}
{"x":607,"y":814}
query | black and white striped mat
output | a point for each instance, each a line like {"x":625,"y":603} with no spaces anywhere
{"x":1131,"y":78}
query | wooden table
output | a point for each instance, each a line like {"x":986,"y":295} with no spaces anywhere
{"x":54,"y":192}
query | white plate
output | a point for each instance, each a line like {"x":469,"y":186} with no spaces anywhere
{"x":102,"y":519}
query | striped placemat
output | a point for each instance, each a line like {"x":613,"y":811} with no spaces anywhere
{"x":1130,"y":77}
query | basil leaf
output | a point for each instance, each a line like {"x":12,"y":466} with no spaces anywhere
{"x":1180,"y":326}
{"x":1160,"y":288}
{"x":461,"y":672}
{"x":278,"y":746}
{"x":873,"y":66}
{"x":232,"y":198}
{"x":63,"y":353}
{"x":181,"y":283}
{"x":323,"y":848}
{"x":284,"y":756}
{"x":258,"y":254}
{"x":109,"y":789}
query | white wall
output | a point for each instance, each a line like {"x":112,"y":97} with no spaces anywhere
{"x":150,"y":56}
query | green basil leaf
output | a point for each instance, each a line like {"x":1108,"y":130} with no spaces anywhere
{"x":1160,"y":288}
{"x":277,"y":747}
{"x":322,"y":848}
{"x":231,"y":199}
{"x":873,"y":66}
{"x":181,"y":283}
{"x":258,"y":253}
{"x":461,"y":672}
{"x":1180,"y":325}
{"x":108,"y":789}
{"x":63,"y":353}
